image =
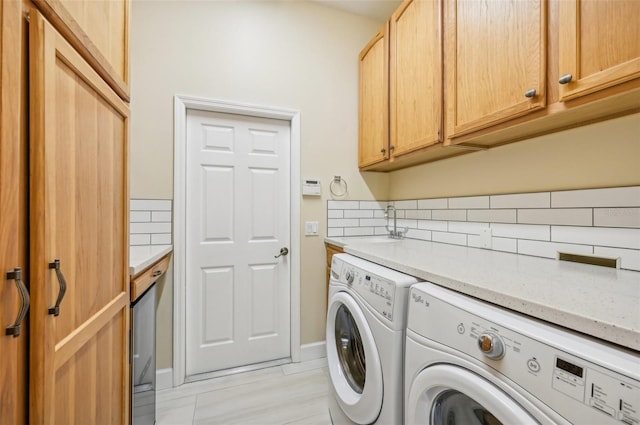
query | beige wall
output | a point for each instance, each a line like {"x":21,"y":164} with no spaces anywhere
{"x":296,"y":55}
{"x":604,"y":154}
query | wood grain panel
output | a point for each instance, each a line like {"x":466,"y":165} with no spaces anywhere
{"x":415,"y":76}
{"x":599,"y":44}
{"x":13,"y":214}
{"x":373,"y":141}
{"x":79,"y":206}
{"x":495,"y":52}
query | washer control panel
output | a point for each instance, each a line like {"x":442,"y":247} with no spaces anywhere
{"x":584,"y":380}
{"x":377,"y":291}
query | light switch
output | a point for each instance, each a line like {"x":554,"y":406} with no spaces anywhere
{"x":311,"y":228}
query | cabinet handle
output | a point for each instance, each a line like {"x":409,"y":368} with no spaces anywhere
{"x":530,"y":93}
{"x":382,"y":151}
{"x":16,"y":275}
{"x":157,"y":273}
{"x":391,"y":148}
{"x":55,"y":310}
{"x":565,"y":79}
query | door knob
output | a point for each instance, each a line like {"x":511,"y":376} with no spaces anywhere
{"x":283,"y":251}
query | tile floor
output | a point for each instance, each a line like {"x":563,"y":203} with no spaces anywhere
{"x":290,"y":394}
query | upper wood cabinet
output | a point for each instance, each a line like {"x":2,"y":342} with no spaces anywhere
{"x":99,"y":31}
{"x":495,"y":62}
{"x":599,"y":45}
{"x":415,"y":76}
{"x":373,"y":143}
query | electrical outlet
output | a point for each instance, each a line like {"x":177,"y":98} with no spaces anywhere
{"x":485,"y":238}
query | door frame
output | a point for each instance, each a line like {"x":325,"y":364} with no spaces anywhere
{"x":181,"y":104}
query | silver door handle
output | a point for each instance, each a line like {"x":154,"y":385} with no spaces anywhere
{"x":283,"y":251}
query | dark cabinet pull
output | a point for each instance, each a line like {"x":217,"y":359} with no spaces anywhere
{"x":565,"y":79}
{"x":382,"y":151}
{"x":157,"y":273}
{"x":16,"y":275}
{"x":55,"y":310}
{"x":530,"y":93}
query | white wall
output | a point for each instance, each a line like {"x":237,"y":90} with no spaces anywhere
{"x":292,"y":54}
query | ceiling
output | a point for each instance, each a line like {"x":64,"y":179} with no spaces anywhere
{"x":375,"y":9}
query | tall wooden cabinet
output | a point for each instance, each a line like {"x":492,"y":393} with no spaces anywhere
{"x":68,"y":149}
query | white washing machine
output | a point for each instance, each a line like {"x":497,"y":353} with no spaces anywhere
{"x":469,"y":362}
{"x":366,"y":320}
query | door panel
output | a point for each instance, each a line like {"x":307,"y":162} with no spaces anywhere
{"x":238,"y":296}
{"x":79,"y":215}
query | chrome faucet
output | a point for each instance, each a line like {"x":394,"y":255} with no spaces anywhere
{"x":395,"y":233}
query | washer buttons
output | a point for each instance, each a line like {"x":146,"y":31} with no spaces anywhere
{"x":461,"y":329}
{"x":533,"y":365}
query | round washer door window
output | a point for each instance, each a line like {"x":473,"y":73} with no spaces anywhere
{"x":448,"y":395}
{"x":353,"y":360}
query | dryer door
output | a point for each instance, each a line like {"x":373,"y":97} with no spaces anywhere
{"x":446,"y":394}
{"x":353,"y":360}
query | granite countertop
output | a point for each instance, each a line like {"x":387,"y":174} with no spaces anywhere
{"x":141,"y":257}
{"x":597,"y":301}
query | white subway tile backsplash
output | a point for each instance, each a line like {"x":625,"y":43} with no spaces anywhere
{"x":358,"y":213}
{"x":551,"y":249}
{"x":521,"y":200}
{"x":150,"y":228}
{"x":616,"y":217}
{"x":521,"y":231}
{"x":140,"y":216}
{"x":450,"y":215}
{"x":161,"y":216}
{"x":150,"y":222}
{"x":466,"y":227}
{"x":433,"y":204}
{"x":492,"y":216}
{"x":558,"y":216}
{"x":142,"y":239}
{"x":343,"y":205}
{"x":161,"y":239}
{"x":601,"y":236}
{"x":450,"y":238}
{"x":358,"y":231}
{"x":538,"y":224}
{"x":343,"y":222}
{"x":435,"y":225}
{"x":611,"y":197}
{"x":418,"y":214}
{"x":150,"y":205}
{"x":629,"y":258}
{"x":406,"y":205}
{"x":372,"y":205}
{"x":335,"y":232}
{"x":469,"y":202}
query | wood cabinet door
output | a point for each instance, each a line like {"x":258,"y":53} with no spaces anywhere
{"x":373,"y":143}
{"x":415,"y":76}
{"x":79,"y":358}
{"x":599,"y":44}
{"x":13,"y":215}
{"x":495,"y":54}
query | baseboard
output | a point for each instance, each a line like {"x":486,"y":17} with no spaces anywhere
{"x":164,"y":379}
{"x":313,"y":351}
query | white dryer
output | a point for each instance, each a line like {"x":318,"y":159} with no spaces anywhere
{"x":366,"y":320}
{"x":469,"y":362}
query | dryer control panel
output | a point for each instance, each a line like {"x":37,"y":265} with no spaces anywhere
{"x":584,"y":379}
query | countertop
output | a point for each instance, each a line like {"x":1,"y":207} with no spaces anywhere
{"x":597,"y":301}
{"x":141,"y":257}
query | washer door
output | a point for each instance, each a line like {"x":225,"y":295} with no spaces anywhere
{"x":446,"y":394}
{"x":353,"y":360}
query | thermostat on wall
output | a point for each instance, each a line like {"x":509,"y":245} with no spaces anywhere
{"x":310,"y":187}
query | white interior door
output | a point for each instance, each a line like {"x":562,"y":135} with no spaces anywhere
{"x":237,"y":222}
